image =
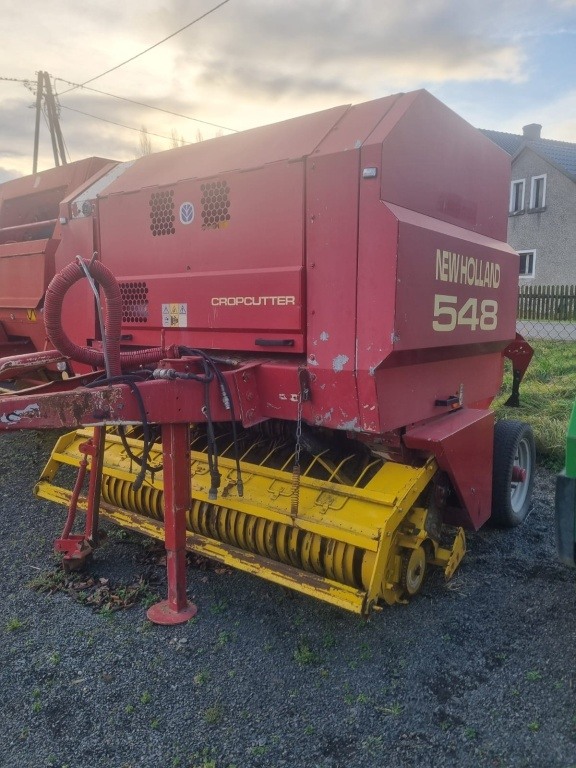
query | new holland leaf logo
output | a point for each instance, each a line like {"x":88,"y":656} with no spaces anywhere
{"x":186,"y":213}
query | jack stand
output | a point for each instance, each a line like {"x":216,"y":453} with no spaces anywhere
{"x":177,"y":493}
{"x":77,"y":549}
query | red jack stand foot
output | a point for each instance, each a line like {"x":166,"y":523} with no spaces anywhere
{"x":163,"y":613}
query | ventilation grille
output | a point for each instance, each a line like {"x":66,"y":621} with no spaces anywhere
{"x":162,"y":213}
{"x":134,"y":302}
{"x":215,"y":205}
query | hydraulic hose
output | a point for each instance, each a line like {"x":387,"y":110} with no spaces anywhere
{"x":59,"y":286}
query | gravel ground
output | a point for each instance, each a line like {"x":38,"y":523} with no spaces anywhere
{"x":479,"y":672}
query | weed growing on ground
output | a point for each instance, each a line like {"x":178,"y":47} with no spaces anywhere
{"x":220,"y":606}
{"x":200,"y":678}
{"x":303,"y":654}
{"x":392,"y":709}
{"x":213,"y":714}
{"x":15,"y":623}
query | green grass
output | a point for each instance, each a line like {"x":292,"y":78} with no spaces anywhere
{"x":547,"y":395}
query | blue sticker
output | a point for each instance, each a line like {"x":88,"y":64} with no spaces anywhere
{"x":186,"y":213}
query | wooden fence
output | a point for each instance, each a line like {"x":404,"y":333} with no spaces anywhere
{"x":547,"y":302}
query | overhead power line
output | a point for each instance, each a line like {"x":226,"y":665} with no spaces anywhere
{"x":15,"y":80}
{"x":120,"y":125}
{"x":141,"y":104}
{"x":123,"y":63}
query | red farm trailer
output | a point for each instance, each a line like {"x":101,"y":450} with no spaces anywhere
{"x":29,"y":238}
{"x":282,"y":347}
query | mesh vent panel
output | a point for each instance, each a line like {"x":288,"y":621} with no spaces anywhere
{"x":215,"y":205}
{"x":162,"y":213}
{"x":134,"y":302}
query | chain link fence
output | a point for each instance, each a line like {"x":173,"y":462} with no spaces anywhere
{"x":547,"y":312}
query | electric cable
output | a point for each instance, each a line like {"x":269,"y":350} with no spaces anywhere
{"x":142,"y":104}
{"x":228,"y":404}
{"x":136,"y":56}
{"x":119,"y":125}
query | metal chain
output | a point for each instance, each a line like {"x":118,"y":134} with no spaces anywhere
{"x":298,"y":432}
{"x":296,"y":468}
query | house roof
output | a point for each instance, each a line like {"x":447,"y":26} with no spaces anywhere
{"x":562,"y":154}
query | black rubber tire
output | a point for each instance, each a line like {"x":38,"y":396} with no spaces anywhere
{"x":513,"y":446}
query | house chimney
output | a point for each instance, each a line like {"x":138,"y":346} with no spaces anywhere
{"x":532,"y":131}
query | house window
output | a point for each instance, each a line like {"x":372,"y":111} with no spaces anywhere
{"x":527,"y":263}
{"x":538,"y":193}
{"x":517,"y":196}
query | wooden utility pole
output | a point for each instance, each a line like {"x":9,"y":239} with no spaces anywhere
{"x":44,"y":91}
{"x":39,"y":89}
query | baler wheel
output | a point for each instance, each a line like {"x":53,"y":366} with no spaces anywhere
{"x":413,"y":571}
{"x":513,"y":474}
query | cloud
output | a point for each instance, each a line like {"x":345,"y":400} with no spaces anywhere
{"x":269,"y":51}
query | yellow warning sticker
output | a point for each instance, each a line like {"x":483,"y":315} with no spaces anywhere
{"x":31,"y":314}
{"x":174,"y":315}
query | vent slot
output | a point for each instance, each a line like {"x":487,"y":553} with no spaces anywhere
{"x":162,"y":213}
{"x":134,"y":302}
{"x":215,"y":205}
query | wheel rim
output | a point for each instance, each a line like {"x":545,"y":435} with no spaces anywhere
{"x":519,"y":488}
{"x":414,"y":570}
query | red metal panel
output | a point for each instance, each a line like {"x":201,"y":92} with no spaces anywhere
{"x":29,"y":208}
{"x":462,"y":442}
{"x":36,"y":197}
{"x":25,"y":271}
{"x":264,"y":229}
{"x":376,"y":288}
{"x":236,"y":274}
{"x":436,"y":163}
{"x":453,"y":286}
{"x":216,"y":301}
{"x":354,"y":127}
{"x":288,"y":140}
{"x":407,"y":390}
{"x":331,"y":274}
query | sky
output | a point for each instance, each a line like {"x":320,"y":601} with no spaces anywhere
{"x":500,"y":64}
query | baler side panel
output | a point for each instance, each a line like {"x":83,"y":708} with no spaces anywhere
{"x":376,"y":290}
{"x":452,"y":288}
{"x":331,"y":272}
{"x":453,"y":297}
{"x":226,"y":252}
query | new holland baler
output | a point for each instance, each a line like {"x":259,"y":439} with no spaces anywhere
{"x":286,"y":343}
